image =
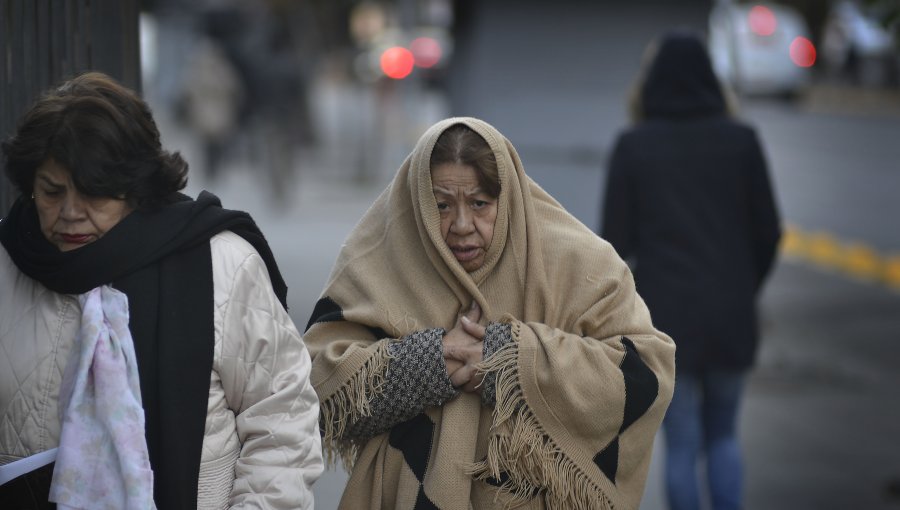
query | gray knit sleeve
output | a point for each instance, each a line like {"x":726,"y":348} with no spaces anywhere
{"x":416,"y":378}
{"x":496,"y":336}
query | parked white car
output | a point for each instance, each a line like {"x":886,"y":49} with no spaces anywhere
{"x":760,"y":48}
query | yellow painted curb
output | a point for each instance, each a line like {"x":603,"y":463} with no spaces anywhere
{"x":824,"y":250}
{"x":892,"y":271}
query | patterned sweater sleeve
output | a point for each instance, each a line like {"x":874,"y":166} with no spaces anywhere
{"x":416,"y":378}
{"x":496,"y":336}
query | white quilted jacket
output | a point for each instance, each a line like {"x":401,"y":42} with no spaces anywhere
{"x":262,"y":447}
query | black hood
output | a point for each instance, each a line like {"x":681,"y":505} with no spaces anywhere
{"x":681,"y":81}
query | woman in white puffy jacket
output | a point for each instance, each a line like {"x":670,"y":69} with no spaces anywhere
{"x":143,"y":334}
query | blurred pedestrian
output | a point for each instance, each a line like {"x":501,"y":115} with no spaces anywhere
{"x":690,"y":204}
{"x":143,"y":333}
{"x":212,"y":98}
{"x":272,"y":45}
{"x":476,"y":346}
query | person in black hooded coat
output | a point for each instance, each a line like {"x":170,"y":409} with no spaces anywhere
{"x":689,"y":203}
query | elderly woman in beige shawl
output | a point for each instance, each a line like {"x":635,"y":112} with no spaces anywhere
{"x":476,"y":346}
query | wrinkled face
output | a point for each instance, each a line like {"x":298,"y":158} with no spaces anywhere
{"x":69,"y":219}
{"x":467,"y":212}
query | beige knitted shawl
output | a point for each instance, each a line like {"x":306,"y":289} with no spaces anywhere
{"x":581,"y":391}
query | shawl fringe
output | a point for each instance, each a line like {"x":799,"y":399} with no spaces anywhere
{"x":522,"y":454}
{"x":347,"y":405}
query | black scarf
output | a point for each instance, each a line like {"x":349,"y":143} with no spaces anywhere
{"x":160,"y":258}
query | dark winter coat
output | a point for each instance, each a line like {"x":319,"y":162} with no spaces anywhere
{"x":690,"y":203}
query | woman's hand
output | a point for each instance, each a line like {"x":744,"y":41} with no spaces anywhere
{"x":463,"y":349}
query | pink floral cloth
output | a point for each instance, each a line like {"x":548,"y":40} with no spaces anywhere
{"x":102,"y":460}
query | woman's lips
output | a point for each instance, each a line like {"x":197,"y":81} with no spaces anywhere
{"x":75,"y":238}
{"x":465,"y":253}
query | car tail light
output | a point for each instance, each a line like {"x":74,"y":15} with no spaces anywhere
{"x":803,"y":52}
{"x":762,"y":20}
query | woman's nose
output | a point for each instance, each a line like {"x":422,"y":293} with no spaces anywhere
{"x":72,"y":207}
{"x":463,"y":224}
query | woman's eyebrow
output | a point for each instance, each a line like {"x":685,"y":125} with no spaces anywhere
{"x":48,"y":180}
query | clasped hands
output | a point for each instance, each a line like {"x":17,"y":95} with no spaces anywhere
{"x":463,"y":349}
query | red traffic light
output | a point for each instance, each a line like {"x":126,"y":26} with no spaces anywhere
{"x":426,"y":51}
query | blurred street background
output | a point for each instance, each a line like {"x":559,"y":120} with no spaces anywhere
{"x":300,"y":111}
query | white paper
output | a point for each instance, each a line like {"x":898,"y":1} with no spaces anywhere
{"x":19,"y":467}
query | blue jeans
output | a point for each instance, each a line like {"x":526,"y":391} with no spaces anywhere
{"x":701,"y":423}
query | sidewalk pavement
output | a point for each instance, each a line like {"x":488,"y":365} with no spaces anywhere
{"x":851,"y":100}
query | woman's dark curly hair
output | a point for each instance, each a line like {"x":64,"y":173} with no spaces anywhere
{"x":460,"y":144}
{"x":104,"y":134}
